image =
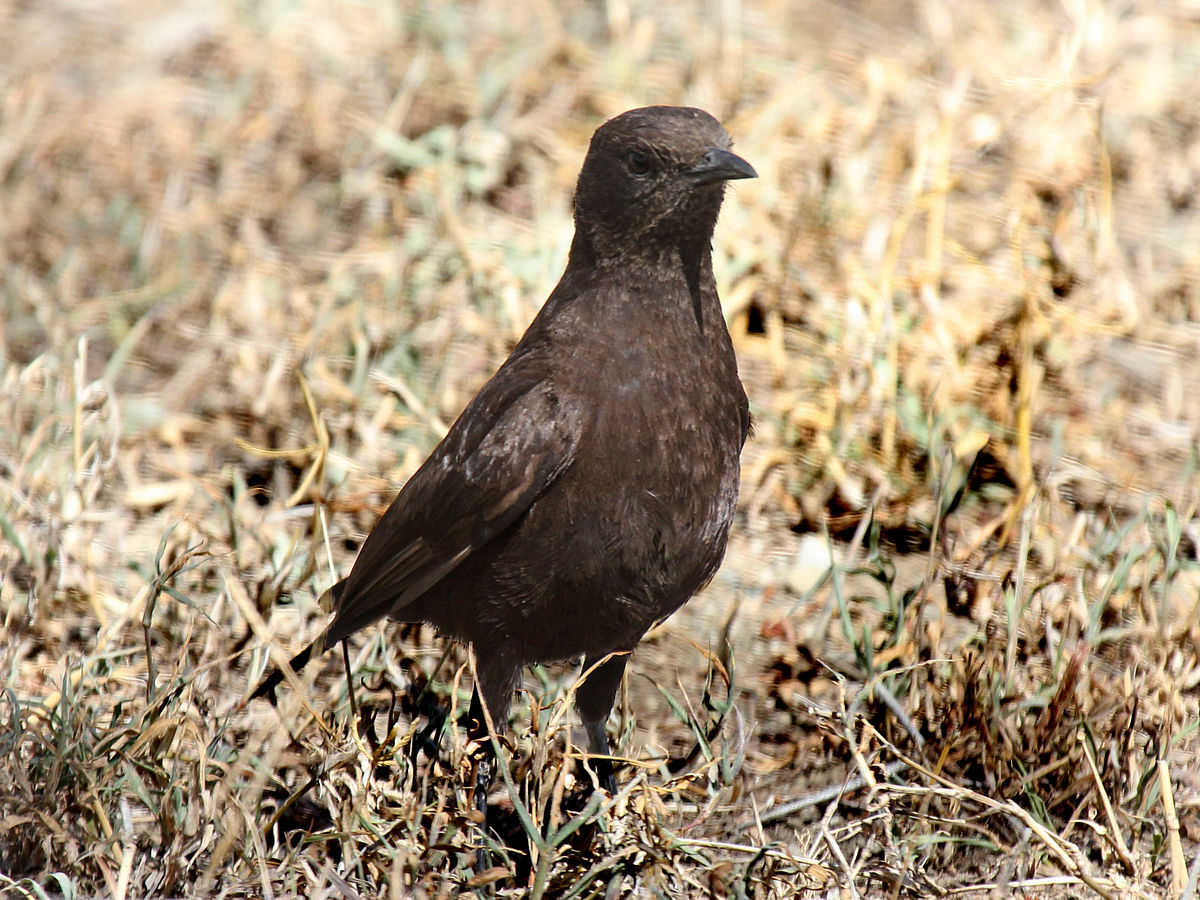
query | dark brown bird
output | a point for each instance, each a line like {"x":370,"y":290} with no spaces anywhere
{"x":586,"y":492}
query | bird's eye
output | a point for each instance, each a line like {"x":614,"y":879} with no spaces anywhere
{"x":639,"y":162}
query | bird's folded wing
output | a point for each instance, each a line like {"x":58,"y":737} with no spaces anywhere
{"x":508,"y":446}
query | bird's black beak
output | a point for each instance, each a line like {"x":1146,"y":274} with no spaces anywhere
{"x":720,"y":165}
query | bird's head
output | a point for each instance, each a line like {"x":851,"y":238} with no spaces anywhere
{"x":654,"y":178}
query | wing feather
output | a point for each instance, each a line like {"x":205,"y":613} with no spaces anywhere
{"x":506,"y":449}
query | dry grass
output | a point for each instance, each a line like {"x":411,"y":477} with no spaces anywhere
{"x":256,"y":255}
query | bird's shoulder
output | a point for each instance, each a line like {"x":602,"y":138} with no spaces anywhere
{"x":520,"y":417}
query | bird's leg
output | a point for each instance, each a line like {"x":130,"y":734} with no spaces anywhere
{"x":594,"y":701}
{"x":483,"y":755}
{"x":429,"y":738}
{"x":495,"y":679}
{"x":597,"y":739}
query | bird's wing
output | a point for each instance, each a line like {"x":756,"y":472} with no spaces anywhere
{"x":508,"y":446}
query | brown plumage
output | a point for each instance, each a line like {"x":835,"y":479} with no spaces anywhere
{"x":587,"y":491}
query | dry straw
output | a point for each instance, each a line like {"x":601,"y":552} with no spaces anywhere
{"x":255,"y":256}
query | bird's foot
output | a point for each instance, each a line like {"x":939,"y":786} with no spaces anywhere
{"x":484,"y":762}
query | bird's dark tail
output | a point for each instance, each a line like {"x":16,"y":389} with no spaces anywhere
{"x":300,"y":660}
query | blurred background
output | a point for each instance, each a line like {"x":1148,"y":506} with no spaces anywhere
{"x":254,"y":257}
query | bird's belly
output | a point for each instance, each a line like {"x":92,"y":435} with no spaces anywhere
{"x":611,"y":565}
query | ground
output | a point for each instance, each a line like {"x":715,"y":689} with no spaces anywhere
{"x":256,"y":256}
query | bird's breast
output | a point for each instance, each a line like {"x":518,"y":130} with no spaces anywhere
{"x":657,"y":472}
